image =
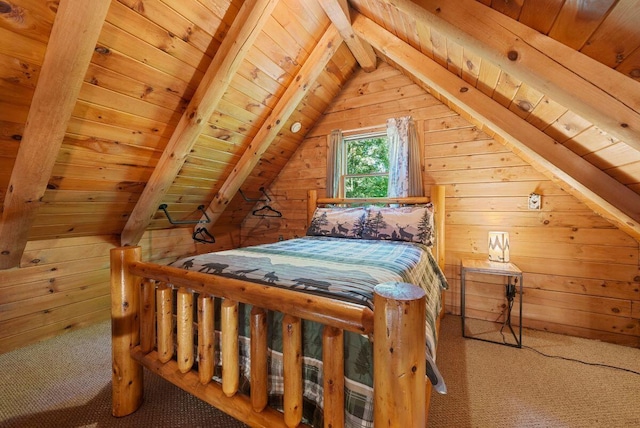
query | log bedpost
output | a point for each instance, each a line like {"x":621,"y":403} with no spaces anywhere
{"x":126,"y":373}
{"x":312,"y":203}
{"x":399,"y":347}
{"x":438,"y":199}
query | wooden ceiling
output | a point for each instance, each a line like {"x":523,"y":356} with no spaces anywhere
{"x":110,"y":108}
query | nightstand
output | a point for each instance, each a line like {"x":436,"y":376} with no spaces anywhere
{"x":513,"y":275}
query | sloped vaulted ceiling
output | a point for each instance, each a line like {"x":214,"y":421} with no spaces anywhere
{"x":110,"y":108}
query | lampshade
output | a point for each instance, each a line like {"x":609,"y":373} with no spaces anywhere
{"x":499,"y":246}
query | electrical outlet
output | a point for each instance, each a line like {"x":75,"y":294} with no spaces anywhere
{"x":535,"y":201}
{"x":280,"y":238}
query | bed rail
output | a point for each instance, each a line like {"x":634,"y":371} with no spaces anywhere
{"x":142,"y":293}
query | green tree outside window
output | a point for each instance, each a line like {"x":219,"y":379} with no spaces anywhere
{"x":367,"y":167}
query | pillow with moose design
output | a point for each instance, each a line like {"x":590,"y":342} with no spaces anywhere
{"x":411,"y":224}
{"x":337,"y":222}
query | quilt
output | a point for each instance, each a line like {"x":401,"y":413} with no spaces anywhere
{"x":338,"y":268}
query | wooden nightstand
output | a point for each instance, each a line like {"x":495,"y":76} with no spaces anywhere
{"x":486,"y":267}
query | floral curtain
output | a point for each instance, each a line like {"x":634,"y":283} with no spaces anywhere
{"x":405,"y":172}
{"x":334,"y":164}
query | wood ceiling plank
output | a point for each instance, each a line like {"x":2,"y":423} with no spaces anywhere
{"x":268,"y":66}
{"x":455,"y":53}
{"x":590,"y":140}
{"x":192,"y":10}
{"x":243,"y":33}
{"x":577,"y":20}
{"x":545,"y":113}
{"x":30,"y":18}
{"x":91,"y":112}
{"x":73,"y":184}
{"x":138,"y":90}
{"x":617,"y":36}
{"x":121,"y":64}
{"x":305,"y":36}
{"x":630,"y":66}
{"x":175,"y":23}
{"x":98,"y":95}
{"x":294,"y":94}
{"x":506,"y":89}
{"x":338,"y":13}
{"x":615,"y":155}
{"x":510,"y":8}
{"x":488,"y":77}
{"x":19,"y":72}
{"x":439,"y":45}
{"x":75,"y":31}
{"x":587,"y":183}
{"x":525,"y":100}
{"x":18,"y":46}
{"x":540,"y":14}
{"x":591,"y":89}
{"x":280,"y":55}
{"x":80,"y":150}
{"x":109,"y":132}
{"x":149,"y":32}
{"x":86,"y":196}
{"x":566,"y":127}
{"x":113,"y":37}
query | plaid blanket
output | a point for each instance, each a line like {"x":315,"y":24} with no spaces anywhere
{"x":339,"y":268}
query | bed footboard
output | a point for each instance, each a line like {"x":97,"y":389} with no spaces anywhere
{"x":140,"y":299}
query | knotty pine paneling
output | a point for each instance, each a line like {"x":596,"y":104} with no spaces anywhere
{"x":63,"y":284}
{"x":581,"y":273}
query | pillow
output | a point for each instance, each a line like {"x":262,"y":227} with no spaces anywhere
{"x":410,"y":224}
{"x":337,"y":222}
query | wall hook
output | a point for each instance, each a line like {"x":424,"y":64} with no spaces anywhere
{"x":163,"y":207}
{"x":256,"y":200}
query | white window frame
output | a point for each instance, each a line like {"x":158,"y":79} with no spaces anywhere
{"x":346,"y":139}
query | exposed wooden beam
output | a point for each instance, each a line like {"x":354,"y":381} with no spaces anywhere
{"x":245,"y":29}
{"x":589,"y":184}
{"x":338,"y":13}
{"x":73,"y":38}
{"x":585,"y":86}
{"x":295,"y":92}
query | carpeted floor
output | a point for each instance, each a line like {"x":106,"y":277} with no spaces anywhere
{"x":490,"y":385}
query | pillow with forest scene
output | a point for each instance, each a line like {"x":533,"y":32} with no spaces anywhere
{"x":410,"y":224}
{"x":337,"y":222}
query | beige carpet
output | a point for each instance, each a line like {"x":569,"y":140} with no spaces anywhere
{"x":490,"y":385}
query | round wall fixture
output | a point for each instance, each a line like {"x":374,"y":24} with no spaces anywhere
{"x":295,"y":127}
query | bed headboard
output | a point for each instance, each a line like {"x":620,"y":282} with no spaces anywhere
{"x":437,"y":198}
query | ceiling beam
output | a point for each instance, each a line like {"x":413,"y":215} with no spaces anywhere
{"x":245,"y":29}
{"x":293,"y":95}
{"x":73,"y":38}
{"x":587,"y":183}
{"x":581,"y":84}
{"x":338,"y":13}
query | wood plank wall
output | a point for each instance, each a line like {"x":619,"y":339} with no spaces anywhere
{"x":63,"y":284}
{"x":581,"y":274}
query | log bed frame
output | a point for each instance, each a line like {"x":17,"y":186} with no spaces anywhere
{"x":138,"y":289}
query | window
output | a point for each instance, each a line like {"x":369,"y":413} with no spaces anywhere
{"x":385,"y":162}
{"x":365,"y":166}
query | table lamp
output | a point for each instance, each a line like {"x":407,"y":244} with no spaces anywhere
{"x":499,"y":247}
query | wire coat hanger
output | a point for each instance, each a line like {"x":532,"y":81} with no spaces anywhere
{"x":267,"y":211}
{"x":203,"y":236}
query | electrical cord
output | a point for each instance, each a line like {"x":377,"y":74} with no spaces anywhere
{"x":510,"y":292}
{"x":560,"y":357}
